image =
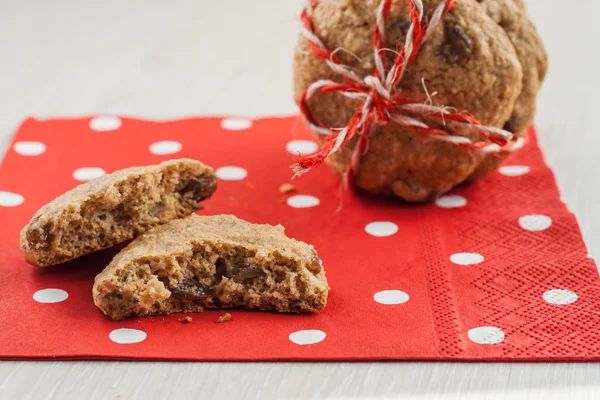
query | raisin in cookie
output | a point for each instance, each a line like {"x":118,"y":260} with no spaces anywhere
{"x":211,"y":262}
{"x":469,"y":61}
{"x":114,"y":208}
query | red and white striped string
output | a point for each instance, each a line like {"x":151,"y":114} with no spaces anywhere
{"x":380,"y":102}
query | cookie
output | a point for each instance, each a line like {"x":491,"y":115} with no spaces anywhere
{"x":211,"y":262}
{"x":114,"y":208}
{"x":470,"y":62}
{"x":512,"y":17}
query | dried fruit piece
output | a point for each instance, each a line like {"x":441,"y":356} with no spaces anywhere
{"x":245,"y":272}
{"x":458,"y":46}
{"x":190,"y":289}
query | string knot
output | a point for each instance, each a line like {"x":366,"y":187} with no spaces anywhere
{"x":374,"y":83}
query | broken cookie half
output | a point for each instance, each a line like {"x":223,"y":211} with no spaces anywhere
{"x":211,"y":262}
{"x":114,"y":208}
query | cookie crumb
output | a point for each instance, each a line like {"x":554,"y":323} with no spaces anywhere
{"x":287,"y":188}
{"x":280,"y":201}
{"x":119,"y":396}
{"x":223,"y":318}
{"x":186,"y":320}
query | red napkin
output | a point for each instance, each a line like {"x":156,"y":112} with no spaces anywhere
{"x":496,"y":270}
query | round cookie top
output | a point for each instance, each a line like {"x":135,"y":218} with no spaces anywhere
{"x":469,"y":60}
{"x":180,"y":237}
{"x":512,"y":17}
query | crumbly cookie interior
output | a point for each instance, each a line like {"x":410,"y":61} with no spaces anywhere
{"x":132,"y":207}
{"x":212,"y":275}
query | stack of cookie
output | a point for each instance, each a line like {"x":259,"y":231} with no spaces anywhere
{"x":484,"y":57}
{"x":177,"y":262}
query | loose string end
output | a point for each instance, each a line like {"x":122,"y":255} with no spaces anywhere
{"x":298,"y":170}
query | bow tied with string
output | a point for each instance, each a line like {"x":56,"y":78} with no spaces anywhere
{"x":380,"y":101}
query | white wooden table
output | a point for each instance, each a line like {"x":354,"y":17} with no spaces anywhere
{"x":167,"y":59}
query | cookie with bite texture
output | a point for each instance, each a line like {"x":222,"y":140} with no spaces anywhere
{"x":211,"y":262}
{"x":114,"y":208}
